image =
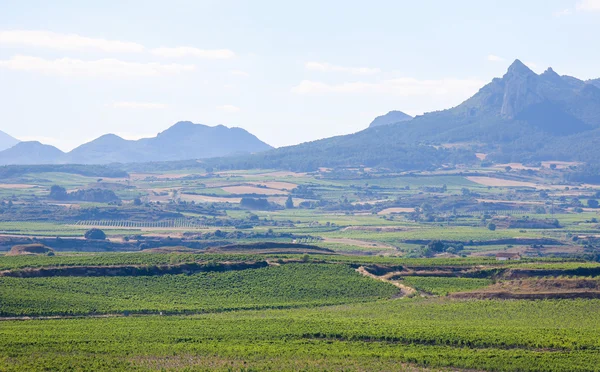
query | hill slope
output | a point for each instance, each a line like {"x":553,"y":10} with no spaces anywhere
{"x":522,"y":116}
{"x":7,"y":141}
{"x":391,"y":117}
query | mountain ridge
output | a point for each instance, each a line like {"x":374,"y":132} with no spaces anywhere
{"x":7,"y":141}
{"x":521,"y":116}
{"x":182,"y":141}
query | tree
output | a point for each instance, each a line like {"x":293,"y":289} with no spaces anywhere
{"x":592,"y":203}
{"x":508,"y":168}
{"x":289,"y":203}
{"x":58,"y":193}
{"x":95,"y":234}
{"x":137,"y":201}
{"x":553,"y":166}
{"x":491,"y":226}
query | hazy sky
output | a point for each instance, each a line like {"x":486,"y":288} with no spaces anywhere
{"x":287,"y":71}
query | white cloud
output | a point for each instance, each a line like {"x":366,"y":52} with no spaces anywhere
{"x":61,"y":41}
{"x":228,"y":108}
{"x":239,"y":73}
{"x":588,"y":5}
{"x":563,"y":13}
{"x":494,"y":58}
{"x":103,"y":67}
{"x":139,"y":105}
{"x":53,"y":40}
{"x":179,"y":52}
{"x":326,"y":67}
{"x":401,"y":87}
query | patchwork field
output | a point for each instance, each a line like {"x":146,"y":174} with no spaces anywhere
{"x":343,"y":270}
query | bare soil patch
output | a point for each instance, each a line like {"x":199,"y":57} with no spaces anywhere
{"x":208,"y":199}
{"x":537,"y":288}
{"x":359,"y":243}
{"x":396,"y":210}
{"x":404,"y":290}
{"x":29,"y":249}
{"x":16,"y":186}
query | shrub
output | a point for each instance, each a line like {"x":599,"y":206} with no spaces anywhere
{"x":95,"y":234}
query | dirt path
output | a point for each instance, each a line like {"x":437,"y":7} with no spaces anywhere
{"x":404,"y":290}
{"x":359,"y":243}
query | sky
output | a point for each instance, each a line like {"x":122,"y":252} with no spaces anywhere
{"x":286,"y":71}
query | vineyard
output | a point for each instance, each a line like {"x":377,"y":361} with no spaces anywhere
{"x":273,"y":287}
{"x":383,"y":335}
{"x":187,"y":281}
{"x":443,"y":286}
{"x":179,"y":223}
{"x":143,"y":258}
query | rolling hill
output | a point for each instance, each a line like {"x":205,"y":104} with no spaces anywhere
{"x":30,"y":152}
{"x":184,"y":140}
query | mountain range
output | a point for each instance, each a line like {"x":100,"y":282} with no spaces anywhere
{"x":521,"y":116}
{"x":184,"y":140}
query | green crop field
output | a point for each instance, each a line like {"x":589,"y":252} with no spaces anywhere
{"x":283,"y":286}
{"x":382,"y":335}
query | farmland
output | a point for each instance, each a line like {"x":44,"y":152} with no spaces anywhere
{"x":492,"y":335}
{"x":273,"y":287}
{"x":330,"y":270}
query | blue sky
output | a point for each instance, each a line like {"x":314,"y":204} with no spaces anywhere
{"x":287,"y":71}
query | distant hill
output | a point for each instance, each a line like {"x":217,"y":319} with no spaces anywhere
{"x":7,"y":141}
{"x":182,"y":141}
{"x":520,"y":117}
{"x":30,"y":152}
{"x":391,"y":117}
{"x":595,"y":82}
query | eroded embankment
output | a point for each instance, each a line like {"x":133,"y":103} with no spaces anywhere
{"x":132,"y":270}
{"x":537,"y":288}
{"x":525,"y":296}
